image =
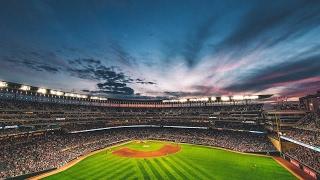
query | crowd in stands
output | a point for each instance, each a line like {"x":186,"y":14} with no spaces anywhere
{"x":310,"y":122}
{"x":305,"y":136}
{"x":238,"y":126}
{"x":23,"y":155}
{"x":288,"y":106}
{"x":46,"y":115}
{"x":306,"y":130}
{"x":307,"y":156}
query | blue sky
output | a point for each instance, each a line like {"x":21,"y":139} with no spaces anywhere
{"x":136,"y":48}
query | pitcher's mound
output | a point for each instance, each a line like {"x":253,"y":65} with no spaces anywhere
{"x":165,"y":150}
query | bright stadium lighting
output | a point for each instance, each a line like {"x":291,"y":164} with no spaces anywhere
{"x":25,"y":88}
{"x":237,"y":97}
{"x":58,"y":93}
{"x":213,"y":98}
{"x":199,"y":99}
{"x":212,"y":117}
{"x":204,"y":99}
{"x":70,"y":95}
{"x":3,"y":84}
{"x":225,"y":98}
{"x":84,"y":96}
{"x":170,"y":101}
{"x":251,"y":97}
{"x":42,"y":91}
{"x":98,"y":98}
{"x":183,"y":100}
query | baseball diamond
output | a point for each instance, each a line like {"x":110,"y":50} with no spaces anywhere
{"x":134,"y":160}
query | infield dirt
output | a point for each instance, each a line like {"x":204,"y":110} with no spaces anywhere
{"x":165,"y":150}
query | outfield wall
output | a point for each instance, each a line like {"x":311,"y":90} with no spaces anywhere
{"x":308,"y":170}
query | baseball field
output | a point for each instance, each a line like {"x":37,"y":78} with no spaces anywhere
{"x":167,"y":160}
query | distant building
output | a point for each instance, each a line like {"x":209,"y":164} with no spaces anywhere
{"x":312,"y":102}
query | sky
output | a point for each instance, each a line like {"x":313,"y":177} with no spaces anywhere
{"x":162,"y":48}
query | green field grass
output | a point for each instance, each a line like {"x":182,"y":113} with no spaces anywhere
{"x":192,"y":162}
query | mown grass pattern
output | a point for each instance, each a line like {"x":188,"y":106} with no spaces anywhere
{"x":192,"y":162}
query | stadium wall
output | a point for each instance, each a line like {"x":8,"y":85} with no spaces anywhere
{"x":308,"y":170}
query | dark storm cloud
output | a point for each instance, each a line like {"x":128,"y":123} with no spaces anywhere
{"x":140,"y":81}
{"x":47,"y":68}
{"x":282,"y":73}
{"x":267,"y":24}
{"x":111,"y":87}
{"x":110,"y":81}
{"x":33,"y":64}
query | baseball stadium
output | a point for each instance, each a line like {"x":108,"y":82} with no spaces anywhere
{"x":159,"y":90}
{"x":50,"y":134}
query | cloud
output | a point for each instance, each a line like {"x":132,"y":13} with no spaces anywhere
{"x":109,"y":80}
{"x":121,"y":55}
{"x":196,"y":42}
{"x":267,"y":24}
{"x":135,"y":49}
{"x":34,"y":65}
{"x":277,"y":75}
{"x":192,"y":44}
{"x":111,"y":87}
{"x":140,"y":81}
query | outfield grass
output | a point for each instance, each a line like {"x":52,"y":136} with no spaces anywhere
{"x":192,"y":162}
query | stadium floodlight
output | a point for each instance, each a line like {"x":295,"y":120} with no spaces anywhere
{"x":3,"y":84}
{"x":170,"y":101}
{"x":58,"y":93}
{"x":94,"y":98}
{"x":183,"y":100}
{"x":84,"y":96}
{"x":53,"y":92}
{"x":199,"y":99}
{"x":213,"y":98}
{"x":205,"y":99}
{"x":98,"y":98}
{"x":225,"y":98}
{"x":251,"y":97}
{"x":70,"y":95}
{"x":25,"y":88}
{"x":237,"y":97}
{"x":212,"y":117}
{"x":42,"y":90}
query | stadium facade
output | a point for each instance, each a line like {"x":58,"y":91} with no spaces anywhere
{"x":31,"y":115}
